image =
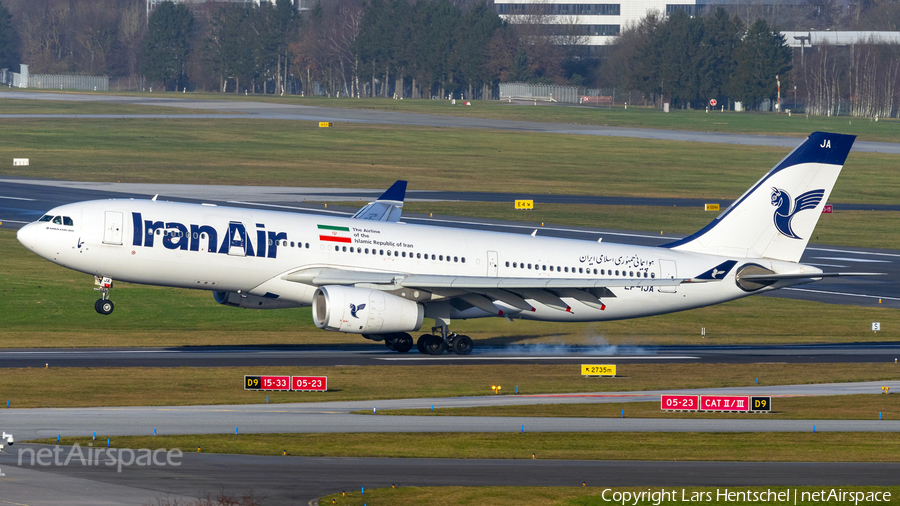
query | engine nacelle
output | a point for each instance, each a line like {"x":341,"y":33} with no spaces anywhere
{"x":248,"y":301}
{"x":364,"y":311}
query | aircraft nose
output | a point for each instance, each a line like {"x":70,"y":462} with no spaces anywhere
{"x":27,"y":235}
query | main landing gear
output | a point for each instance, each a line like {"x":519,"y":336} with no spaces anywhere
{"x":430,"y":344}
{"x":401,"y":342}
{"x":103,"y":305}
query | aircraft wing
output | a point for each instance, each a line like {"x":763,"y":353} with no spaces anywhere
{"x":387,"y":207}
{"x":483,"y":291}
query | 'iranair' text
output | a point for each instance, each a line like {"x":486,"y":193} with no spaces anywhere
{"x":237,"y":241}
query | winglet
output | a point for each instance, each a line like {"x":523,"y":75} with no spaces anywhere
{"x":396,"y":193}
{"x":387,"y":207}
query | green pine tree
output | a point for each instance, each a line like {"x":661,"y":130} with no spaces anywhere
{"x":167,"y":45}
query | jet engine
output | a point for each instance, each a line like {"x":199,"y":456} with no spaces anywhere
{"x":248,"y":301}
{"x":364,"y":311}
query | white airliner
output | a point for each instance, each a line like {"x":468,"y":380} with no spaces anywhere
{"x":373,"y":275}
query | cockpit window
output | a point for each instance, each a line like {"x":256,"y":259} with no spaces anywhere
{"x":68,"y":221}
{"x":46,"y":217}
{"x":57,"y":220}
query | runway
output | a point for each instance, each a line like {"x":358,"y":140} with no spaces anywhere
{"x":228,"y":109}
{"x":285,"y":480}
{"x":299,"y":480}
{"x":337,"y":417}
{"x":375,"y":354}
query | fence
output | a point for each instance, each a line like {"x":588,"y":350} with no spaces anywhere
{"x":68,"y":82}
{"x":546,"y":92}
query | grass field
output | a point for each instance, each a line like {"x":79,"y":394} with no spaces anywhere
{"x":138,"y":386}
{"x":19,"y":106}
{"x":257,"y":152}
{"x":639,"y":117}
{"x":593,"y":494}
{"x":838,"y":407}
{"x":665,"y":446}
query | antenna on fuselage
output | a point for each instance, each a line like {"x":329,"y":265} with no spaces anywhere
{"x":154,"y":197}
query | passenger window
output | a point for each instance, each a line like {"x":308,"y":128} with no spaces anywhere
{"x":46,"y":217}
{"x":652,"y":274}
{"x":441,"y":258}
{"x":57,"y":220}
{"x":432,"y":256}
{"x":307,"y":245}
{"x":418,"y":255}
{"x":67,"y":221}
{"x":463,"y":259}
{"x":456,"y":259}
{"x":381,"y":252}
{"x":507,"y":264}
{"x":545,"y":267}
{"x":344,"y":249}
{"x":580,"y":271}
{"x":337,"y":248}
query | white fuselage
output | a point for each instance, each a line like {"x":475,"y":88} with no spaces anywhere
{"x":249,"y":251}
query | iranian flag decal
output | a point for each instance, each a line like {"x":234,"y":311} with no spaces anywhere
{"x":334,"y":234}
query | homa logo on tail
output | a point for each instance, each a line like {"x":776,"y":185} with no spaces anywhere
{"x":354,"y":308}
{"x":786,"y":209}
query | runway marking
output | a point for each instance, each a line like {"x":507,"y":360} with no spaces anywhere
{"x":825,"y":265}
{"x":854,"y":252}
{"x":18,"y":198}
{"x":13,"y":221}
{"x":844,"y":259}
{"x":562,"y":357}
{"x":841,"y":293}
{"x":16,"y":503}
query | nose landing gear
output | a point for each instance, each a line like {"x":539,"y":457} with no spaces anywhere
{"x":103,"y":305}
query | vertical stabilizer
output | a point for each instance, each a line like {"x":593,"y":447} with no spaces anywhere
{"x":775,"y":218}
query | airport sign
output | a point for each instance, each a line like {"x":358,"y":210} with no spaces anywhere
{"x":267,"y":382}
{"x":598,"y":370}
{"x":309,"y":383}
{"x":724,"y":403}
{"x":711,"y":207}
{"x":761,"y":404}
{"x":526,"y":205}
{"x":679,"y":403}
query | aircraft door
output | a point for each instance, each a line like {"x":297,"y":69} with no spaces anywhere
{"x":237,"y":239}
{"x":492,"y":264}
{"x":112,"y":228}
{"x":667,"y":270}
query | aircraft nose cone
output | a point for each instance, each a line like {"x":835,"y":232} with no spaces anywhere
{"x":27,"y":235}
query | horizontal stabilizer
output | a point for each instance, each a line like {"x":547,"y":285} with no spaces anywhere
{"x":806,"y":275}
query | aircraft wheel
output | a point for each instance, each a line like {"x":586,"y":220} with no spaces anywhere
{"x":389,"y":342}
{"x":462,"y":345}
{"x":104,"y":307}
{"x":403,"y":343}
{"x":434,"y":345}
{"x":420,"y":343}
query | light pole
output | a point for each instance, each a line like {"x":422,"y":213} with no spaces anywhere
{"x":778,"y":105}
